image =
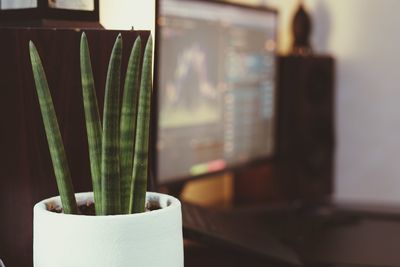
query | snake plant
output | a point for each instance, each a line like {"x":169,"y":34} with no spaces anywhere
{"x":119,"y":144}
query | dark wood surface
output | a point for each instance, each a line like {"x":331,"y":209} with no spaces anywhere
{"x":202,"y":255}
{"x":306,"y":133}
{"x":347,"y":236}
{"x":27,"y":174}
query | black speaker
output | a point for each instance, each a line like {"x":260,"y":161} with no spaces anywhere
{"x":306,"y":139}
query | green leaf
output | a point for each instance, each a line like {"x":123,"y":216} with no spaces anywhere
{"x":110,"y":178}
{"x":56,"y":147}
{"x":92,"y":118}
{"x":140,"y":164}
{"x":128,"y":124}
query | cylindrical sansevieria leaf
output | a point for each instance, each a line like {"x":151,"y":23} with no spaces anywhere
{"x":56,"y":147}
{"x":110,"y":178}
{"x":140,"y":163}
{"x":128,"y":124}
{"x":92,"y":118}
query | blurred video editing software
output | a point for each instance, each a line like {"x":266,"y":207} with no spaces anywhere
{"x":216,"y":78}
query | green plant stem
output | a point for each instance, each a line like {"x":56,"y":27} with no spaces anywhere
{"x":110,"y":179}
{"x":56,"y":147}
{"x":128,"y":124}
{"x":140,"y":164}
{"x":92,"y":118}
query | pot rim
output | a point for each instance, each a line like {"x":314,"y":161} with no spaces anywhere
{"x":170,"y":203}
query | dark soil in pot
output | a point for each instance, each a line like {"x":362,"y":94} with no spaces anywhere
{"x":89,"y":210}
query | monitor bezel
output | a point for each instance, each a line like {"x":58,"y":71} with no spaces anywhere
{"x":176,"y":181}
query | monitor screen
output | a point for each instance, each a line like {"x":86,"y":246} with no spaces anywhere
{"x":216,"y":87}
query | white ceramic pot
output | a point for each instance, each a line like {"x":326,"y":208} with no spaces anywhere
{"x":149,"y":239}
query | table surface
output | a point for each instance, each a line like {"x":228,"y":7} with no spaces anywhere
{"x":355,"y":237}
{"x":200,"y":255}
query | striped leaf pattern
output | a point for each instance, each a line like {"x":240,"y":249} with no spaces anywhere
{"x":140,"y":163}
{"x":110,"y":175}
{"x":118,"y":147}
{"x":56,"y":147}
{"x":128,"y":124}
{"x":92,"y":118}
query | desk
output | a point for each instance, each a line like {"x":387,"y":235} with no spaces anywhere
{"x":321,"y":237}
{"x":200,"y":255}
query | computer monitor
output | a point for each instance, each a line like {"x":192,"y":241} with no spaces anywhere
{"x":215,"y":79}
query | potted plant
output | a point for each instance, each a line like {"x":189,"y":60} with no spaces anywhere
{"x":130,"y":227}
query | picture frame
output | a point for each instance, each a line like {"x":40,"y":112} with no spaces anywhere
{"x":23,"y":11}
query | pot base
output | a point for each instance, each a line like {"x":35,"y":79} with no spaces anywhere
{"x":65,"y":240}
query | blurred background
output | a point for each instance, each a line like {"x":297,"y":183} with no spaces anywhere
{"x":335,"y":106}
{"x":363,"y":36}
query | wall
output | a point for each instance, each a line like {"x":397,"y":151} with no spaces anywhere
{"x":123,"y":14}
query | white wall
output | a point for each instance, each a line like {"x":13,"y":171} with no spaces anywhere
{"x":123,"y":14}
{"x":365,"y":37}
